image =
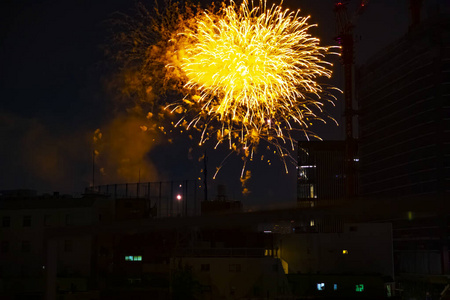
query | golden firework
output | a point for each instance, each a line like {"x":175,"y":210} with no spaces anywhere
{"x":252,"y":70}
{"x":237,"y":73}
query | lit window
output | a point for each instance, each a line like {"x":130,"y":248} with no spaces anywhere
{"x":360,"y":288}
{"x":335,"y":287}
{"x":320,"y":286}
{"x":311,"y":191}
{"x":133,"y":258}
{"x":344,"y":251}
{"x":308,"y":166}
{"x":311,"y":223}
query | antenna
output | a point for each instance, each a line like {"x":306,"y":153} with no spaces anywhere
{"x":205,"y":176}
{"x":138,"y":184}
{"x":93,"y":169}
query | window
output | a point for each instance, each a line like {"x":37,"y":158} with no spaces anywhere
{"x":4,"y":247}
{"x":320,"y":286}
{"x":69,"y":219}
{"x":204,"y":267}
{"x":388,"y":290}
{"x":26,"y":246}
{"x":234,"y":267}
{"x":133,"y":258}
{"x":47,"y":220}
{"x":6,"y":221}
{"x":26,"y":221}
{"x":68,"y":246}
{"x":335,"y":287}
{"x":24,"y":271}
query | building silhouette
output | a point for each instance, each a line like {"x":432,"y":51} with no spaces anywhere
{"x":108,"y":247}
{"x":403,"y":94}
{"x":404,"y":98}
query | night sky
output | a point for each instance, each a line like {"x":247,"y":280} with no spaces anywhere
{"x":54,"y":95}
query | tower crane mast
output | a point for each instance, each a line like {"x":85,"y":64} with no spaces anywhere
{"x":344,"y":36}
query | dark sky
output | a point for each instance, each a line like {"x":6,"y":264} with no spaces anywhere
{"x":52,"y":78}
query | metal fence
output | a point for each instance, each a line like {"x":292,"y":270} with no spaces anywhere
{"x":169,"y":199}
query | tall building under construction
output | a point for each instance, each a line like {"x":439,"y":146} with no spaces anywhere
{"x":403,"y":96}
{"x":404,"y":99}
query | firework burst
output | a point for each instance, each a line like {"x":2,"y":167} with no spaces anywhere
{"x":254,"y":70}
{"x":244,"y":72}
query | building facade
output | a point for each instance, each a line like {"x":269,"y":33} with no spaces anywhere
{"x":320,"y":172}
{"x":404,"y":98}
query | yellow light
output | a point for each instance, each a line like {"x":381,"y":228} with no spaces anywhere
{"x":344,"y":251}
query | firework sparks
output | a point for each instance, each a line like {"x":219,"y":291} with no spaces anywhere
{"x":245,"y":72}
{"x":254,"y":70}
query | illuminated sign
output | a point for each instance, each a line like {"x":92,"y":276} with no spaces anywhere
{"x":360,"y":287}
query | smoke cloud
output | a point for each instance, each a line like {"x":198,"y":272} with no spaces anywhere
{"x":122,"y":148}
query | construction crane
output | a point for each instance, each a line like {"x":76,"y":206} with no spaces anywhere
{"x":344,"y":36}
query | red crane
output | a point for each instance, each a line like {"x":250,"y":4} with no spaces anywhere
{"x":344,"y":29}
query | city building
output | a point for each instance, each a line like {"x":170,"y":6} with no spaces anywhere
{"x":25,"y":221}
{"x":321,"y":172}
{"x":403,"y":94}
{"x":404,"y":99}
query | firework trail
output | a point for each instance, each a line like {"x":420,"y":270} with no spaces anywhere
{"x":242,"y":73}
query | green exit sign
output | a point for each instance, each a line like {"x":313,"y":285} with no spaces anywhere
{"x":360,"y":287}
